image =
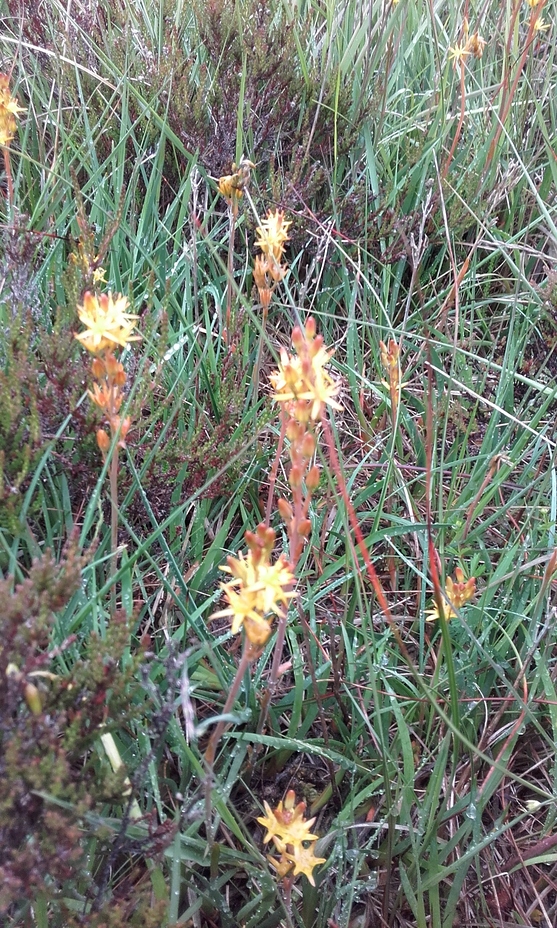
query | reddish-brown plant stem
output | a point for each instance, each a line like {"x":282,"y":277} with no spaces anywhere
{"x":274,"y":470}
{"x":460,"y":124}
{"x":9,"y":179}
{"x":360,"y":540}
{"x":506,"y":103}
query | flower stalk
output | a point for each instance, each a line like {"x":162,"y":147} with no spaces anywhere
{"x":9,"y":114}
{"x":259,"y":590}
{"x":390,"y":359}
{"x":303,"y":388}
{"x":232,"y":187}
{"x":471,"y":45}
{"x":268,"y":270}
{"x":108,"y":326}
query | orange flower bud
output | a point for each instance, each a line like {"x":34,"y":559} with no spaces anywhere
{"x":265,"y":298}
{"x":293,"y":431}
{"x":295,"y":476}
{"x":277,"y":271}
{"x":308,"y":445}
{"x":311,"y":328}
{"x":112,"y":364}
{"x":97,"y":368}
{"x":304,"y":527}
{"x":313,"y":478}
{"x":302,"y":410}
{"x":285,"y":509}
{"x":33,"y":698}
{"x":298,"y":339}
{"x":257,"y":631}
{"x":103,"y":441}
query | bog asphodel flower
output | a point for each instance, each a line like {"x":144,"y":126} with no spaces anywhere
{"x":232,"y":185}
{"x":290,"y":833}
{"x":106,"y":321}
{"x":304,"y":861}
{"x":268,"y":270}
{"x":390,"y":355}
{"x":301,"y":380}
{"x":259,"y":588}
{"x":9,"y":111}
{"x":458,"y":592}
{"x":273,"y":233}
{"x":472,"y":45}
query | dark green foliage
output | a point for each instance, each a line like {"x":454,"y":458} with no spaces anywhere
{"x":221,"y":437}
{"x":43,"y":373}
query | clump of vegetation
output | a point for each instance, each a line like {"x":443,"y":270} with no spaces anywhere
{"x":56,"y":787}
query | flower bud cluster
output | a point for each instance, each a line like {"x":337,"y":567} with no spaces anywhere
{"x":303,"y":388}
{"x":268,"y":268}
{"x":471,"y":45}
{"x":457,"y":592}
{"x":390,"y":359}
{"x":108,"y":394}
{"x":232,"y":185}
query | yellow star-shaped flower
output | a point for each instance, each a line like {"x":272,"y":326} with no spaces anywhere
{"x":273,"y":233}
{"x":301,"y":378}
{"x":457,"y":593}
{"x":287,"y":826}
{"x":9,"y":111}
{"x":304,"y":861}
{"x":106,"y":321}
{"x":258,"y":588}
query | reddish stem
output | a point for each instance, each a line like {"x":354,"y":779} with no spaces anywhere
{"x":445,"y":170}
{"x":370,"y":569}
{"x":274,"y":470}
